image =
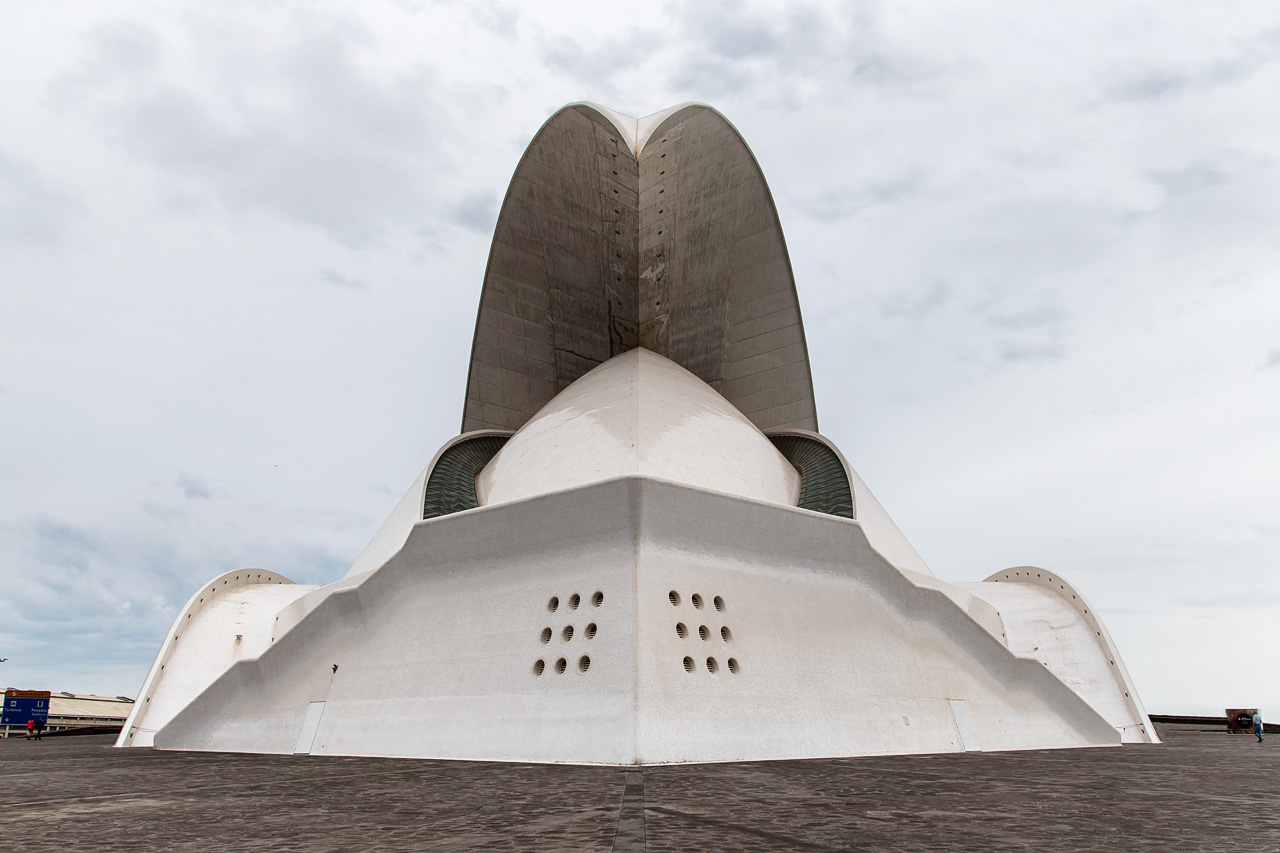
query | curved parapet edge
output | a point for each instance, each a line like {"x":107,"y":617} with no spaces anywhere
{"x":626,"y":125}
{"x":636,"y":131}
{"x":200,"y":600}
{"x":649,"y":125}
{"x":1054,"y":582}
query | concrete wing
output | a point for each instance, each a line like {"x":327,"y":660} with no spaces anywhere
{"x":677,"y":249}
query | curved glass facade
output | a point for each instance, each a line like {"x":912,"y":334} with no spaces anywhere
{"x":824,"y":485}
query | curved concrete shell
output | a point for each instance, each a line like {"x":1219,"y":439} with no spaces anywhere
{"x":230,"y":618}
{"x":619,"y":233}
{"x":1048,"y":619}
{"x":639,"y":414}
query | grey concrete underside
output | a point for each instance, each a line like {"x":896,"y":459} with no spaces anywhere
{"x":597,"y":252}
{"x":1202,"y":790}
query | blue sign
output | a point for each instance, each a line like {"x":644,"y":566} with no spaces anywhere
{"x":23,"y":705}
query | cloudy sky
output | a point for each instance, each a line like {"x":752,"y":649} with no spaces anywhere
{"x":1037,"y":247}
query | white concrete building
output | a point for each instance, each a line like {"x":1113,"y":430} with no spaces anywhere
{"x":640,"y":550}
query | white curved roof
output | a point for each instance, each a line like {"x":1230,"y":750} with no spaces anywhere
{"x":639,"y":414}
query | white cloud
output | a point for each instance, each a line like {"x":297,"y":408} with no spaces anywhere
{"x":33,"y":211}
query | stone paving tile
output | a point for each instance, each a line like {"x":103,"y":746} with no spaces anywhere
{"x":1202,"y":790}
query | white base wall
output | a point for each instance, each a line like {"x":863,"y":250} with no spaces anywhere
{"x":836,"y":651}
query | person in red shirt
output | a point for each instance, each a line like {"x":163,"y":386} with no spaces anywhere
{"x":31,"y":728}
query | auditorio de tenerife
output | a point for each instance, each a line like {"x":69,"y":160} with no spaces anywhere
{"x":639,"y":549}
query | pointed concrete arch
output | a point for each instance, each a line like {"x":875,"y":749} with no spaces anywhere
{"x":619,"y":233}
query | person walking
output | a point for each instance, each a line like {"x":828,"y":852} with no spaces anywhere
{"x":39,"y":728}
{"x":1257,"y":725}
{"x":31,"y":727}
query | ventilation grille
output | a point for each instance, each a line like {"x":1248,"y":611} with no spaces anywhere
{"x":568,"y":634}
{"x":824,"y":485}
{"x":452,"y":485}
{"x":706,"y":634}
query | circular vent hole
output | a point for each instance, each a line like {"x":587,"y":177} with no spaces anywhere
{"x":674,"y":598}
{"x":681,"y":630}
{"x":539,"y":667}
{"x":733,"y":665}
{"x":584,"y":663}
{"x":597,"y":599}
{"x":725,"y":633}
{"x":554,"y":604}
{"x":712,"y":666}
{"x":560,"y":665}
{"x":574,"y":601}
{"x":546,"y":636}
{"x":697,"y":601}
{"x":591,"y":631}
{"x":703,"y":632}
{"x":567,"y":633}
{"x":719,"y":603}
{"x":688,"y":664}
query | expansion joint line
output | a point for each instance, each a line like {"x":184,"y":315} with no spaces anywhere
{"x":629,"y":836}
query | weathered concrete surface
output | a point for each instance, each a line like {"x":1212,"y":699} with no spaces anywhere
{"x":597,"y":252}
{"x":716,"y":289}
{"x":1202,"y":790}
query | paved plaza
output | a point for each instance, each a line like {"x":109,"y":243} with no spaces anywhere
{"x":1202,"y":790}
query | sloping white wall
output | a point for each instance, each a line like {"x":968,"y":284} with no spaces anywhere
{"x":435,"y":652}
{"x":228,"y":619}
{"x":837,"y":651}
{"x":881,"y":531}
{"x":1049,"y":620}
